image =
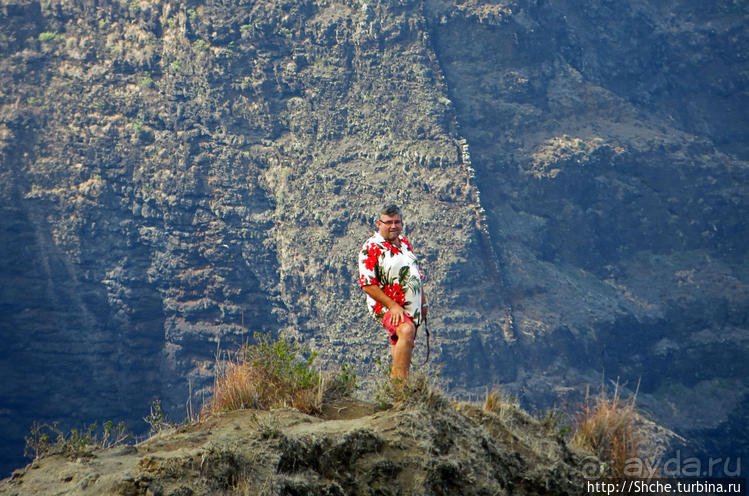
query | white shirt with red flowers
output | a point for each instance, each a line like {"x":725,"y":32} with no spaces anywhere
{"x":395,"y":270}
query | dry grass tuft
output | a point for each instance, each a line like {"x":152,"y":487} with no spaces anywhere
{"x":418,"y":389}
{"x":276,"y":374}
{"x":499,"y":403}
{"x":608,"y":428}
{"x":243,"y":385}
{"x":506,"y":408}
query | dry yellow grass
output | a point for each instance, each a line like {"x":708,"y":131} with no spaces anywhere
{"x":245,"y":385}
{"x":275,"y":374}
{"x":497,"y":402}
{"x":417,"y":388}
{"x":607,"y":427}
{"x":501,"y":404}
{"x":240,"y":386}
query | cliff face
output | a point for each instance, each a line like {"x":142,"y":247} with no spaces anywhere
{"x":175,"y":176}
{"x":606,"y":143}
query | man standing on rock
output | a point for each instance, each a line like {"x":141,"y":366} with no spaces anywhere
{"x":390,"y":275}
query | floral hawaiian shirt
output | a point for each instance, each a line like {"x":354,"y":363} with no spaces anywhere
{"x":395,"y":270}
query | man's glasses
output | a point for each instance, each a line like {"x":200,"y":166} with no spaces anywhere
{"x":391,"y":222}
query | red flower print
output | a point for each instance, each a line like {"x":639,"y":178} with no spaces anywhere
{"x":391,"y":248}
{"x":390,"y":265}
{"x":395,"y":291}
{"x":370,"y":263}
{"x":373,"y":250}
{"x":374,"y":253}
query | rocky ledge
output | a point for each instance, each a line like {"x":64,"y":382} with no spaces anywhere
{"x":428,"y":447}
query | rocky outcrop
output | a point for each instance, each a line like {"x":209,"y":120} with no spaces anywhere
{"x":176,"y":176}
{"x":429,"y":449}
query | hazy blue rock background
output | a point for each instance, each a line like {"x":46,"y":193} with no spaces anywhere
{"x":177,"y":175}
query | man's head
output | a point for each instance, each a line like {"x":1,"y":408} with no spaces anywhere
{"x":390,"y":223}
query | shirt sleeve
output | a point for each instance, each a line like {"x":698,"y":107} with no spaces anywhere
{"x":369,"y":258}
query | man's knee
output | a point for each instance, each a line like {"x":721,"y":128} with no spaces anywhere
{"x":406,"y":331}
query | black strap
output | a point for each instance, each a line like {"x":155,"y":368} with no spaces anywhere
{"x":427,"y":331}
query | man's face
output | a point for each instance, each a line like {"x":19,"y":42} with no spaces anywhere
{"x":390,"y":226}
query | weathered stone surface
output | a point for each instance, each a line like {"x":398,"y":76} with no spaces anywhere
{"x":176,"y":176}
{"x":429,"y":449}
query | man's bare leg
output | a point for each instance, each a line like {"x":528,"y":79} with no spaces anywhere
{"x":402,"y":350}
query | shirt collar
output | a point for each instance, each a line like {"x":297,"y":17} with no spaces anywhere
{"x":379,"y":239}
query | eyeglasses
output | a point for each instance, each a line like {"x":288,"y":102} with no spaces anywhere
{"x":391,"y":222}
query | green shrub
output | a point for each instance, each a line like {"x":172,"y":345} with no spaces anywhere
{"x":146,"y":81}
{"x":77,"y":443}
{"x":49,"y":37}
{"x":284,"y":361}
{"x":553,"y":423}
{"x":347,"y":379}
{"x":200,"y":45}
{"x":157,"y":419}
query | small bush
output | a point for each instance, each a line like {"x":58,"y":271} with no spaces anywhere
{"x":146,"y":81}
{"x":607,"y":427}
{"x":275,"y":374}
{"x":200,"y":45}
{"x":76,"y":443}
{"x":553,"y":424}
{"x":157,"y":419}
{"x":346,"y":380}
{"x":49,"y":37}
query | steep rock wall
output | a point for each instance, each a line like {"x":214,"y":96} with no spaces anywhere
{"x":176,"y":176}
{"x":615,"y":194}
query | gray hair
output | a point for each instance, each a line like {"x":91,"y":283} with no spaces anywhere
{"x":391,"y":210}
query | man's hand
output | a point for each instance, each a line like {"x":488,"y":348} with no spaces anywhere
{"x":396,"y":311}
{"x":397,"y":314}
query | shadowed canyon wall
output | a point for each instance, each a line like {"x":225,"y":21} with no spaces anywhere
{"x":177,"y":176}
